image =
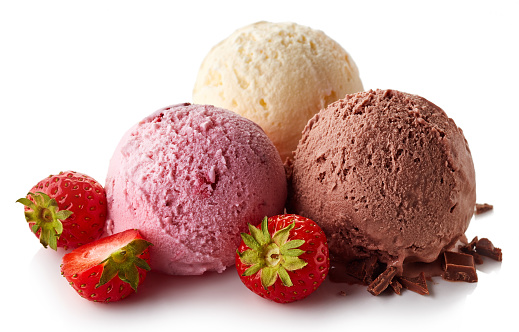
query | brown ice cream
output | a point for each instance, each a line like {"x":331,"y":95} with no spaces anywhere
{"x":386,"y":174}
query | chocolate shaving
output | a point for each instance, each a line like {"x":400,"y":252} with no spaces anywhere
{"x":356,"y":269}
{"x":470,"y":249}
{"x":415,"y":284}
{"x":363,"y":270}
{"x":370,"y":268}
{"x":380,"y":284}
{"x":396,"y":286}
{"x":485,"y":248}
{"x":459,"y":267}
{"x":482,"y":247}
{"x":482,"y":208}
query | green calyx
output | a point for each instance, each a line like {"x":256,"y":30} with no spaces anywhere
{"x":124,"y":263}
{"x":272,"y":256}
{"x":46,"y":216}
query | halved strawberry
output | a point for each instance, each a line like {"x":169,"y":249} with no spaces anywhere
{"x":110,"y":268}
{"x":284,"y":259}
{"x":66,"y":210}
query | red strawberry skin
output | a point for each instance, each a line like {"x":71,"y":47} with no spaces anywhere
{"x":306,"y":280}
{"x":82,"y":195}
{"x":83,"y":268}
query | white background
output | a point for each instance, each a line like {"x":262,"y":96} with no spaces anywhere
{"x":74,"y":76}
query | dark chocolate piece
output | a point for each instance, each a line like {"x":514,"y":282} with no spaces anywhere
{"x":371,"y":266}
{"x":397,"y":287}
{"x":415,"y":284}
{"x":470,"y":249}
{"x":380,"y":284}
{"x":485,"y":248}
{"x":482,"y":208}
{"x":459,"y":267}
{"x":363,"y":270}
{"x":356,"y":269}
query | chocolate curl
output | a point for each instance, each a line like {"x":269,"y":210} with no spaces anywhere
{"x":415,"y":284}
{"x":380,"y":284}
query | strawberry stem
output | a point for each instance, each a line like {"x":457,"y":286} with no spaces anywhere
{"x":46,"y":216}
{"x":124,"y":263}
{"x":271,"y":256}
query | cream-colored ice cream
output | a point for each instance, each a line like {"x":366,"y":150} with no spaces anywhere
{"x":277,"y":75}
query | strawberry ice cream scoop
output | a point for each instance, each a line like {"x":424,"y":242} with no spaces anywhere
{"x":190,"y":178}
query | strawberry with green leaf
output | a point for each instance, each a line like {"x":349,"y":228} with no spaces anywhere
{"x":110,"y":268}
{"x":66,"y":210}
{"x":284,"y":259}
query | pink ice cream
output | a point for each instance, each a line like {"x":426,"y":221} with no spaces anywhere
{"x":190,"y":178}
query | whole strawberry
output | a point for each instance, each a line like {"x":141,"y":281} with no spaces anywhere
{"x":284,"y":259}
{"x":66,"y":210}
{"x":110,"y":268}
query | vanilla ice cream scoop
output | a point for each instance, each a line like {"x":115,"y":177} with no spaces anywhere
{"x":277,"y":75}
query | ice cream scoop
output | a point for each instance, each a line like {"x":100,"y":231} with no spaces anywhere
{"x":385,"y":174}
{"x":278,"y":75}
{"x":190,"y":178}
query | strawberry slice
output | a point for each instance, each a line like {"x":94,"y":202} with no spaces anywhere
{"x":110,"y":268}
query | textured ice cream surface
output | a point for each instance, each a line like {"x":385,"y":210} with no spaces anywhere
{"x":190,"y":178}
{"x":278,"y":75}
{"x":385,"y":174}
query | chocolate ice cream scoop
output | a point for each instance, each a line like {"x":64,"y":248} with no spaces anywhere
{"x":385,"y":174}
